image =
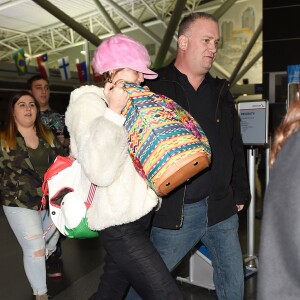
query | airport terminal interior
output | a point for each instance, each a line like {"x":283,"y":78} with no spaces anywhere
{"x":73,"y":29}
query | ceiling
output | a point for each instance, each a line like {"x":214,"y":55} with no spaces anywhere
{"x":25,"y":24}
{"x":41,"y":26}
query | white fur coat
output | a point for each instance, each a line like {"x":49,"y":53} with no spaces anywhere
{"x":99,"y":143}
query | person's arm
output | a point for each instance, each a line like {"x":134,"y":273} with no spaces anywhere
{"x":240,"y":181}
{"x":98,"y":138}
{"x":60,"y":149}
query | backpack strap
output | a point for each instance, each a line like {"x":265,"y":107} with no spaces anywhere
{"x":91,"y":195}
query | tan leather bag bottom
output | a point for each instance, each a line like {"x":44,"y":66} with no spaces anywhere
{"x":180,"y":172}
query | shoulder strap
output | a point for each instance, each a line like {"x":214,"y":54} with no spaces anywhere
{"x":91,"y":195}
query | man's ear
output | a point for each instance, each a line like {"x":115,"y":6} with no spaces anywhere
{"x":183,"y":42}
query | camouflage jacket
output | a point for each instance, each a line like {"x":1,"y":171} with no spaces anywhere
{"x":20,"y":184}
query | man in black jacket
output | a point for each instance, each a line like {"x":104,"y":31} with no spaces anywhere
{"x":205,"y":208}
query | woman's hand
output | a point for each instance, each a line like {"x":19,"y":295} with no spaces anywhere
{"x":116,"y":96}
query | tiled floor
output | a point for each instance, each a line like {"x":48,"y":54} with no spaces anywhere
{"x":82,"y":261}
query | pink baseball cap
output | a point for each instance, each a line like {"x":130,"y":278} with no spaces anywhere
{"x":120,"y":51}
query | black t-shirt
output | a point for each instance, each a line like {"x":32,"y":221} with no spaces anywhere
{"x":203,"y":110}
{"x":39,"y":158}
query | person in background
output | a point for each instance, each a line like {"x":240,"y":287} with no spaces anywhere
{"x":123,"y":204}
{"x":27,"y":150}
{"x":205,"y":208}
{"x":39,"y":87}
{"x":279,"y":252}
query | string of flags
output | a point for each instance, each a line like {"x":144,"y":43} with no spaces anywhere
{"x":64,"y":68}
{"x":81,"y":71}
{"x":19,"y":58}
{"x":63,"y":64}
{"x":42,"y":65}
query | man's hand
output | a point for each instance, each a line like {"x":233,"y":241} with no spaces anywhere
{"x":60,"y":137}
{"x":240,"y":207}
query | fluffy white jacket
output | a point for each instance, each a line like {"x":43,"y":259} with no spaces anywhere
{"x":99,"y":143}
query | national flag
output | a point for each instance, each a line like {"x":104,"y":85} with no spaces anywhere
{"x":97,"y":77}
{"x":64,"y":67}
{"x":41,"y":61}
{"x":19,"y":57}
{"x":82,"y":71}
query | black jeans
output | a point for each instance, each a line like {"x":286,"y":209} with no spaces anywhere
{"x":132,"y":260}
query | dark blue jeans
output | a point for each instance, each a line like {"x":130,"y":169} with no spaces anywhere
{"x":221,"y":240}
{"x":132,"y":260}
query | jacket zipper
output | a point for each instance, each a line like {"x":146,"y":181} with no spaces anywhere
{"x":17,"y":191}
{"x":182,"y":208}
{"x":218,"y":102}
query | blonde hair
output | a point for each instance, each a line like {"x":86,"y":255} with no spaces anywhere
{"x":289,"y":125}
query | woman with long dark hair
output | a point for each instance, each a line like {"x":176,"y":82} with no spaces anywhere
{"x":27,"y":150}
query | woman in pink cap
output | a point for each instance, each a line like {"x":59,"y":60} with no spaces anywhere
{"x":123,"y":205}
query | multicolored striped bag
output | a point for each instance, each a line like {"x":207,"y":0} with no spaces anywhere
{"x":166,"y":144}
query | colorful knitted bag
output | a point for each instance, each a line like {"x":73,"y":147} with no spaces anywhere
{"x":166,"y":143}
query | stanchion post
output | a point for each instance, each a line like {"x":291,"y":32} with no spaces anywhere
{"x":251,"y":260}
{"x":251,"y":209}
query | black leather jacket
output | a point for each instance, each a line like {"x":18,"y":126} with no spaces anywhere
{"x":229,"y":175}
